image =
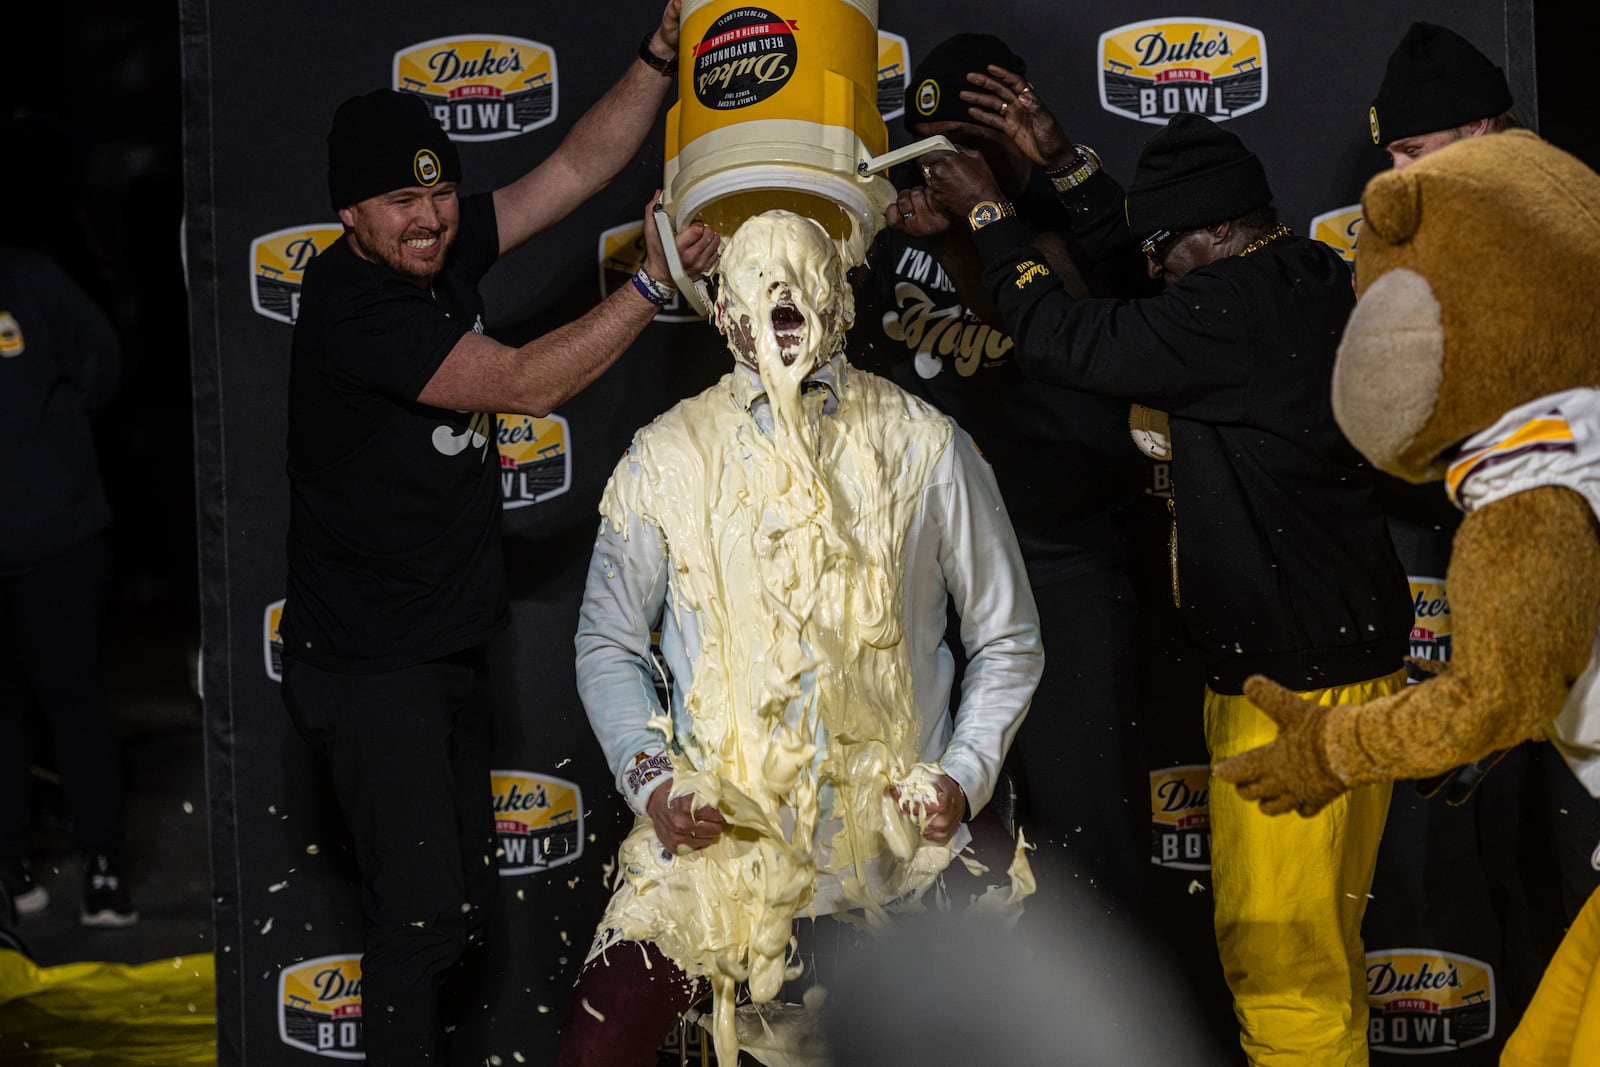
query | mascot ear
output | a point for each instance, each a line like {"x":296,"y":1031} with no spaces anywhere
{"x":1392,"y":206}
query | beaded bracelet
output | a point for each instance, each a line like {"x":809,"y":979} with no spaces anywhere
{"x":656,"y":292}
{"x":1075,"y":171}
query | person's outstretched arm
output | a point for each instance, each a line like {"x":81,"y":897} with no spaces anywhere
{"x":597,"y":147}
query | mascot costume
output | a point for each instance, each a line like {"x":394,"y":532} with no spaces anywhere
{"x":1473,"y":356}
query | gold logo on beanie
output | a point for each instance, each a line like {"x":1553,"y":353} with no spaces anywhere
{"x":927,"y":96}
{"x":1372,"y":120}
{"x":426,"y":167}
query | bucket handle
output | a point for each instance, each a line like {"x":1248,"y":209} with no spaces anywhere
{"x":696,"y":293}
{"x":877,"y":164}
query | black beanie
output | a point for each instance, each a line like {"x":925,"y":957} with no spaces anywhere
{"x":386,"y":140}
{"x":934,"y":92}
{"x":1193,"y":173}
{"x":1435,"y":80}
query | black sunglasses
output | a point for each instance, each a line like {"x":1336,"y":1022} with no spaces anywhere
{"x":1155,"y":246}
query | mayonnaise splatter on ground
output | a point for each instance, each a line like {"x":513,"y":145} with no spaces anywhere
{"x":786,"y":549}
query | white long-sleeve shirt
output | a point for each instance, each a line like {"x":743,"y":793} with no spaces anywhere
{"x":958,"y":548}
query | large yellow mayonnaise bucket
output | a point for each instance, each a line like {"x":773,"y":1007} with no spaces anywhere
{"x":778,"y":108}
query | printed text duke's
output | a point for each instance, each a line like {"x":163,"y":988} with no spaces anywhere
{"x":448,"y":67}
{"x":1154,"y":49}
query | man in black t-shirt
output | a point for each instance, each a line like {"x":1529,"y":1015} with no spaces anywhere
{"x":395,"y":577}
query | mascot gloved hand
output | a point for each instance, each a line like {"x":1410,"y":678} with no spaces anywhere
{"x":1473,"y":356}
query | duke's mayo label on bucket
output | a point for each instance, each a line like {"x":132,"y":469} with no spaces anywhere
{"x":744,"y":57}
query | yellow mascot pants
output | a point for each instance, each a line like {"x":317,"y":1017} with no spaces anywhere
{"x":1561,"y":1028}
{"x":1290,"y":894}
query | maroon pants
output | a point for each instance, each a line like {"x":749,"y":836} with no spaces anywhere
{"x":623,"y":1007}
{"x":635,"y":995}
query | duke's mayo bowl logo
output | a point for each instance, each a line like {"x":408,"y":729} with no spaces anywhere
{"x":481,"y":88}
{"x":538,"y":819}
{"x":1338,"y":229}
{"x":1180,"y":817}
{"x":1431,"y":627}
{"x":1423,"y":1000}
{"x":744,"y":57}
{"x":894,"y":67}
{"x":278,"y":262}
{"x":622,"y":253}
{"x":12,"y":342}
{"x":535,"y":459}
{"x":319,"y":1007}
{"x":271,"y":642}
{"x":1150,"y":71}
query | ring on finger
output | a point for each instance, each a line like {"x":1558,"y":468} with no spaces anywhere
{"x":1004,"y":104}
{"x":1026,"y":89}
{"x":908,"y":214}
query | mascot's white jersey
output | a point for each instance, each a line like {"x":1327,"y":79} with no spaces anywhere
{"x":1552,"y":441}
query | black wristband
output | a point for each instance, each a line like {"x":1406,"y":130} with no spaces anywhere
{"x":653,"y":61}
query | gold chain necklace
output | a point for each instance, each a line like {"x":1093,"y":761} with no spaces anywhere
{"x":1280,"y":230}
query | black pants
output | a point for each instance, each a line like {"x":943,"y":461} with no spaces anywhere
{"x":52,"y":623}
{"x":409,"y":752}
{"x":1079,"y":757}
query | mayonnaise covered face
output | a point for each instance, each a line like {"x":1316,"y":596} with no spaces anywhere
{"x":782,"y":299}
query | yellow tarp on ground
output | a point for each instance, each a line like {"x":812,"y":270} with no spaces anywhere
{"x":108,"y":1014}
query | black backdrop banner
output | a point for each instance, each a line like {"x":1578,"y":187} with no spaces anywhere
{"x":1451,"y":969}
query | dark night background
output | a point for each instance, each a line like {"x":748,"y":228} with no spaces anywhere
{"x":93,"y":150}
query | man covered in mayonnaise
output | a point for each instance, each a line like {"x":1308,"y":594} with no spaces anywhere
{"x":796,"y":532}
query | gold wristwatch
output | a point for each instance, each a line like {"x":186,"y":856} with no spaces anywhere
{"x":987,"y":211}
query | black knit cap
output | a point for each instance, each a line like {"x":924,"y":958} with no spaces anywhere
{"x":1435,"y":80}
{"x":934,"y":92}
{"x":1193,"y":173}
{"x":386,"y":140}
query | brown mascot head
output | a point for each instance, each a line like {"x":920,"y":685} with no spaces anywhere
{"x":1478,"y":272}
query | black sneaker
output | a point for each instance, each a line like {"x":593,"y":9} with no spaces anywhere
{"x":27,"y":896}
{"x":105,"y":898}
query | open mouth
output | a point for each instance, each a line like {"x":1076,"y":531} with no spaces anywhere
{"x":788,"y":324}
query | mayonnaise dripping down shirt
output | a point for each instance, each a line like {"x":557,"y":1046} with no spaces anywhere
{"x":798,"y":530}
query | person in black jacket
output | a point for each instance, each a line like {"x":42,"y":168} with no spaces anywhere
{"x":1282,"y":562}
{"x":1067,"y":470}
{"x":60,"y":363}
